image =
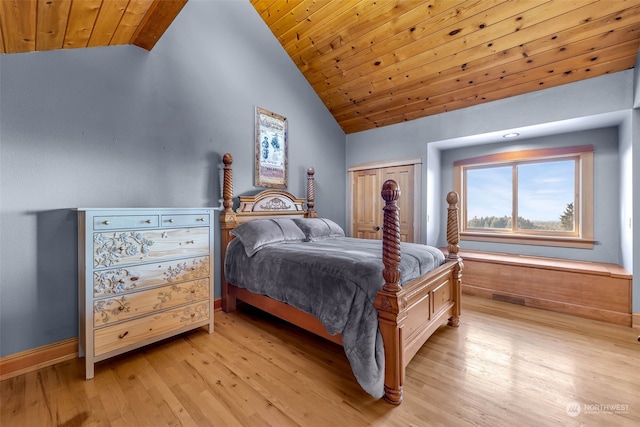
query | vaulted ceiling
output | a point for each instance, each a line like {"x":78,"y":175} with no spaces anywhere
{"x":37,"y":25}
{"x":379,"y":62}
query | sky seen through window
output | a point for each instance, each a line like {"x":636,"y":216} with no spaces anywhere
{"x":544,"y":190}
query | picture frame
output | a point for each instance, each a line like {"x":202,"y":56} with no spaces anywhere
{"x":272,"y":146}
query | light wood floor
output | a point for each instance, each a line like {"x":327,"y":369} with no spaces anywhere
{"x":506,"y":365}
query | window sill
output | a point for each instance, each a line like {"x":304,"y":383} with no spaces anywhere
{"x":563,"y":242}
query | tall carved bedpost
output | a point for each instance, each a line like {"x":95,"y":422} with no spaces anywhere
{"x":227,"y":223}
{"x":390,"y":299}
{"x":311,"y":194}
{"x":453,"y":238}
{"x":227,"y":187}
{"x":391,"y":236}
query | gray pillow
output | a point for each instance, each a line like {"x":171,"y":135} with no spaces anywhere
{"x":318,"y":228}
{"x":257,"y":234}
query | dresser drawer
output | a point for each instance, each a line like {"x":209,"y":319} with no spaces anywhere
{"x":115,"y":222}
{"x":126,"y":279}
{"x":129,"y":247}
{"x":116,"y":309}
{"x":134,"y":331}
{"x":184,"y":220}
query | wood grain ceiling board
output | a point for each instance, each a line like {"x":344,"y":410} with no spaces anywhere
{"x":39,"y":25}
{"x":52,"y":17}
{"x":380,"y":62}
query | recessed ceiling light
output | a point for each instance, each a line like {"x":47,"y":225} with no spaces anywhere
{"x":510,"y":135}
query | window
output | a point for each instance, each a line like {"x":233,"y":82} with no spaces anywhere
{"x":540,"y":197}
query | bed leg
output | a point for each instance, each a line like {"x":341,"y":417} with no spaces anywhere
{"x":230,"y":305}
{"x":229,"y":300}
{"x":454,"y":320}
{"x":393,"y":396}
{"x":391,"y":331}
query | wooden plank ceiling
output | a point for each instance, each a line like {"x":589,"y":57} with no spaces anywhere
{"x":37,"y":25}
{"x":379,"y":62}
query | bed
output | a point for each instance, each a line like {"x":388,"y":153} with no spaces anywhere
{"x":407,"y":298}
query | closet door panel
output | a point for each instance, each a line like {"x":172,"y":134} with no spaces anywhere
{"x":404,"y":176}
{"x":367,"y":204}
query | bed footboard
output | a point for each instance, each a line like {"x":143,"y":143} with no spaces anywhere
{"x":409,"y":315}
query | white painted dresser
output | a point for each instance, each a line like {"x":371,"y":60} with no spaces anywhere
{"x":144,"y":275}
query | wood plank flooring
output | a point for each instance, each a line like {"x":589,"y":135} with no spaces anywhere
{"x":506,"y":365}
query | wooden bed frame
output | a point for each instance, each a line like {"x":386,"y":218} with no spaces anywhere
{"x":408,"y":315}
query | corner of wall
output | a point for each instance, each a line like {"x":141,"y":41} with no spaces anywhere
{"x":636,"y":83}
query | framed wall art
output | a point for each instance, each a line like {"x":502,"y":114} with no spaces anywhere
{"x":271,"y":149}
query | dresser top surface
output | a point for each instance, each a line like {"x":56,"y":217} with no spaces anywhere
{"x":144,"y":209}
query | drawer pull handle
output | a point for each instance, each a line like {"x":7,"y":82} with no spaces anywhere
{"x":193,"y":291}
{"x":121,"y":308}
{"x":148,"y":221}
{"x":170,"y":220}
{"x":190,"y":241}
{"x":134,"y":278}
{"x":105,"y":222}
{"x":200,"y":219}
{"x":124,"y":334}
{"x":193,"y":315}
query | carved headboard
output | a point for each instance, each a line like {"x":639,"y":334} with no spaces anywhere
{"x":267,"y":203}
{"x":271,"y":202}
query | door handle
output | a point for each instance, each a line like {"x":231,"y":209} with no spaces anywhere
{"x":377,"y":228}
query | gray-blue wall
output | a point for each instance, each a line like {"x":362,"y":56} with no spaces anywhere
{"x":123,"y":127}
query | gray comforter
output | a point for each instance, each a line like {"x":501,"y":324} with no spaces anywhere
{"x":335,"y":279}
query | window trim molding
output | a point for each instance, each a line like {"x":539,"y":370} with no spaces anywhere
{"x":585,"y":240}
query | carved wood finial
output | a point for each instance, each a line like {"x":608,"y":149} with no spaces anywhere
{"x":311,"y":193}
{"x":391,"y":236}
{"x":227,"y":189}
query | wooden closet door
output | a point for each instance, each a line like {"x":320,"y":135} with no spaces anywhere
{"x":367,"y":202}
{"x":404,"y":176}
